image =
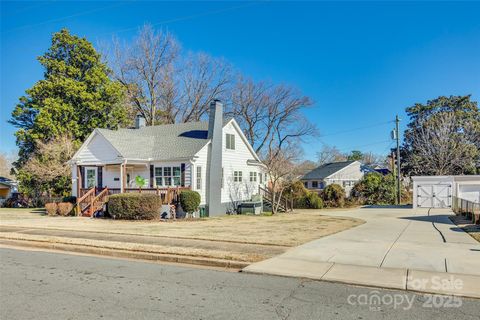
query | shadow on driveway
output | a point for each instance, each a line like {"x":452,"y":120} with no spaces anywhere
{"x":437,"y":218}
{"x":403,"y":206}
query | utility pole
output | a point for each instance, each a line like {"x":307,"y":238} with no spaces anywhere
{"x":397,"y":136}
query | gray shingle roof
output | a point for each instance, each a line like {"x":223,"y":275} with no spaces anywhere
{"x":164,"y":142}
{"x":326,"y":170}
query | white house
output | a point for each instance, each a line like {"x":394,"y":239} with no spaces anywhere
{"x":213,"y":158}
{"x":438,"y":191}
{"x":345,"y":174}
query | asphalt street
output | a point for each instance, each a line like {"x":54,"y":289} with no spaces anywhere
{"x":49,"y":285}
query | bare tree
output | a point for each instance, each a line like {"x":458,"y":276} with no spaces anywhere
{"x":202,"y":79}
{"x":6,"y":161}
{"x":328,"y":154}
{"x":440,"y":147}
{"x":145,"y":69}
{"x":280,"y":169}
{"x":270,"y":115}
{"x":49,"y":163}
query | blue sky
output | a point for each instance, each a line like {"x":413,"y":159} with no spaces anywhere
{"x":361,"y":63}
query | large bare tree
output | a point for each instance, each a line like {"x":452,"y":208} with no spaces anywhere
{"x":270,"y":115}
{"x":146,"y":70}
{"x":201,"y":79}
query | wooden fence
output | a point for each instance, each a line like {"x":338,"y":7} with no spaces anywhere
{"x":467,"y":208}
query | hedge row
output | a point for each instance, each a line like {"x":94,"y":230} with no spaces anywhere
{"x":134,"y":206}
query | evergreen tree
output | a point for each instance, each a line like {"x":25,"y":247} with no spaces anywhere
{"x":75,"y":97}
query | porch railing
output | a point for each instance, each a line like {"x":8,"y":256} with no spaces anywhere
{"x":467,"y":208}
{"x":168,"y":195}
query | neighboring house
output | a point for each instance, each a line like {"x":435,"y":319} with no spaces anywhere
{"x":345,"y":174}
{"x":383,"y":170}
{"x":7,"y":188}
{"x":213,"y":158}
{"x":437,"y":191}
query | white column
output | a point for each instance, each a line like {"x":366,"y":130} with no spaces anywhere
{"x":121,"y":178}
{"x":74,"y":180}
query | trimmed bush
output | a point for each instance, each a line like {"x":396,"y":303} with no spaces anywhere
{"x":64,"y":208}
{"x":51,"y":208}
{"x":134,"y":206}
{"x":71,"y":199}
{"x":189,"y":200}
{"x":333,"y":196}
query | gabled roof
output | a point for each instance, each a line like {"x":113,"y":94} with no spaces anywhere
{"x":326,"y":170}
{"x":163,"y":142}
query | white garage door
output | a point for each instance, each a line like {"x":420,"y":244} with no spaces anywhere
{"x":469,"y":192}
{"x":434,"y":195}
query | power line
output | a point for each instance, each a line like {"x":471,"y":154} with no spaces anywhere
{"x":357,"y":129}
{"x":364,"y":145}
{"x":189,"y":17}
{"x":81,"y":13}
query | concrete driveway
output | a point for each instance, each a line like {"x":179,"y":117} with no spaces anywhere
{"x":393,"y":243}
{"x":398,"y":238}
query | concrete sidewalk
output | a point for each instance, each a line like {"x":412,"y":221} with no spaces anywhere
{"x":393,"y":246}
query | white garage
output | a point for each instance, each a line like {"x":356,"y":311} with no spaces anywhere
{"x":438,"y":191}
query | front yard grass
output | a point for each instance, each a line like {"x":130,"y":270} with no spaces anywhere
{"x":279,"y":230}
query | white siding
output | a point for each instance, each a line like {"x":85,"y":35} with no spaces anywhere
{"x":98,"y":150}
{"x":236,"y":160}
{"x":347,"y":177}
{"x":201,"y":160}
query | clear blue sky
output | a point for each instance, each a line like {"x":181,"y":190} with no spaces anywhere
{"x":362,"y":63}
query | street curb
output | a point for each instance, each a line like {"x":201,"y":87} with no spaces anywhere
{"x":470,"y":280}
{"x":118,"y":253}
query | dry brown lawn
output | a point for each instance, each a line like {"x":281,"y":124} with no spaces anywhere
{"x":281,"y":230}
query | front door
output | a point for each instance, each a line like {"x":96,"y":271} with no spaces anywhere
{"x":91,"y":177}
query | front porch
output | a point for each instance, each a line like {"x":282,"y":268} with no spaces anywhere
{"x":93,"y":183}
{"x":94,"y":199}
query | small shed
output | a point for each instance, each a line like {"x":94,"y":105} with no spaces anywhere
{"x":438,"y":191}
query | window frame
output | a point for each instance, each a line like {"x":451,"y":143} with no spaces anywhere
{"x":229,"y":141}
{"x":198,"y":177}
{"x":168,"y":174}
{"x":253,"y":176}
{"x":237,"y":176}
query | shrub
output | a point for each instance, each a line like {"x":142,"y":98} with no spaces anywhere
{"x":64,"y":208}
{"x":333,"y":196}
{"x":313,"y":201}
{"x":71,"y":199}
{"x":189,"y":200}
{"x":375,"y":188}
{"x":137,"y":206}
{"x":51,"y":208}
